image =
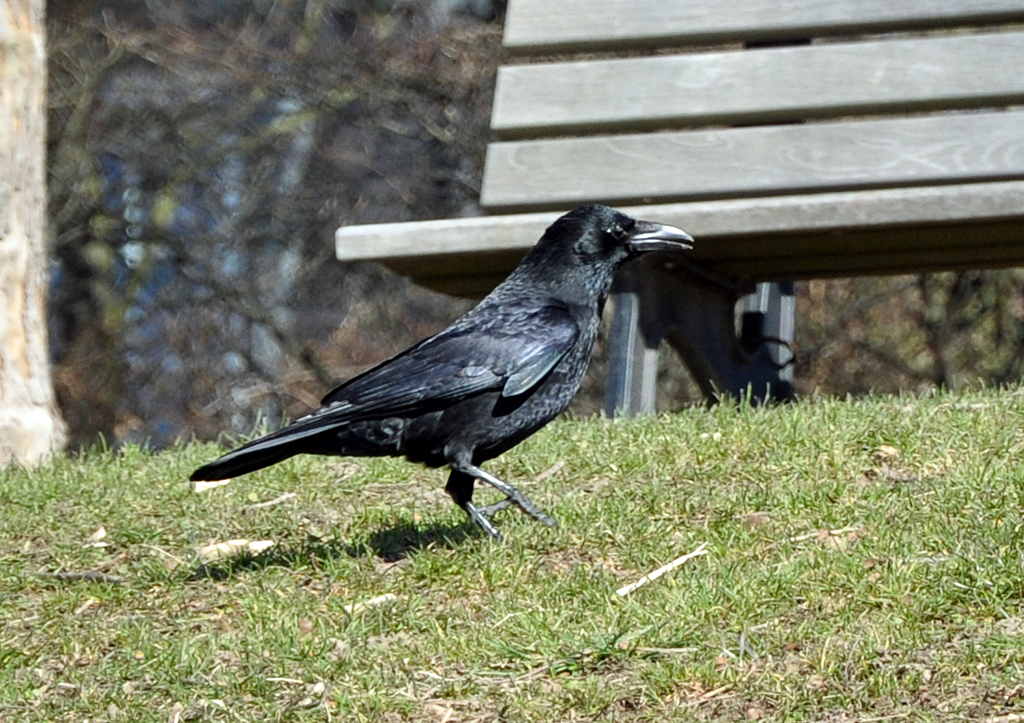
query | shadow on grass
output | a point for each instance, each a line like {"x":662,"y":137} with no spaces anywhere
{"x":395,"y":543}
{"x":390,"y":544}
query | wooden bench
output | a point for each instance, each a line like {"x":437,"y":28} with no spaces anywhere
{"x":794,"y":139}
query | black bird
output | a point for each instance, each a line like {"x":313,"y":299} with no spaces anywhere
{"x":494,"y":377}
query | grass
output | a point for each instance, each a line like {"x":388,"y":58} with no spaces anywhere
{"x":864,"y":562}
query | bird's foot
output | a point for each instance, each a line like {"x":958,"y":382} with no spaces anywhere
{"x":527,"y":506}
{"x":483,"y":520}
{"x":512,"y":497}
{"x":482,"y":515}
{"x":489,"y":510}
{"x":530,"y":508}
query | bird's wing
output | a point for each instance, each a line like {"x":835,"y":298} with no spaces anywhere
{"x":510,"y":348}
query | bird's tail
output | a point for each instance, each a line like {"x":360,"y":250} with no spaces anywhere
{"x":260,"y":453}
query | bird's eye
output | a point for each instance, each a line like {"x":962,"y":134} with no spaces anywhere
{"x":620,"y":231}
{"x":617,"y":232}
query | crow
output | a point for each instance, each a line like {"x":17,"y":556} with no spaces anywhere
{"x":494,"y":377}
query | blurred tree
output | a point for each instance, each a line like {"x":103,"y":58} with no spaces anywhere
{"x":199,"y":164}
{"x":202,"y":153}
{"x":30,"y":425}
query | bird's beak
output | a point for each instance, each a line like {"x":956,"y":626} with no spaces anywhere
{"x":648,"y":236}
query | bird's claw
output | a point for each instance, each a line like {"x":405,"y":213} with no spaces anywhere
{"x":482,"y":515}
{"x":541,"y":516}
{"x":528,"y":507}
{"x":489,"y":510}
{"x":483,"y":520}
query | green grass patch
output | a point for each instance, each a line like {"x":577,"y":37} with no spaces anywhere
{"x":864,"y":561}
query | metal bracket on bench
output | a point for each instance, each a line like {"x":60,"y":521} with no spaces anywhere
{"x":665,"y":296}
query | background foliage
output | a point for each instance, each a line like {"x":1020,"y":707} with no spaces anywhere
{"x":202,"y":153}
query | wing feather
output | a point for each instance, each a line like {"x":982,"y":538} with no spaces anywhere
{"x":515,"y":347}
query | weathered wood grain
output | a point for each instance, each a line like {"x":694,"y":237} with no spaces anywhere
{"x":768,"y":160}
{"x":545,"y":26}
{"x":843,"y":233}
{"x":753,"y":86}
{"x":839,"y":195}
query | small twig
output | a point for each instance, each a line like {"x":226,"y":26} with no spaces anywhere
{"x":534,"y":672}
{"x":87,"y":576}
{"x":817,"y":533}
{"x":553,"y":469}
{"x":372,"y":602}
{"x":623,"y":591}
{"x":110,"y":564}
{"x":713,"y":693}
{"x":667,"y":651}
{"x":823,"y":533}
{"x":276,"y":501}
{"x":173,"y":558}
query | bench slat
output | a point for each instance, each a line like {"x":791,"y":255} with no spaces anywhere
{"x":545,"y":26}
{"x":828,"y":234}
{"x":957,"y":71}
{"x":636,"y":168}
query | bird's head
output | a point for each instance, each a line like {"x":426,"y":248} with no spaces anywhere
{"x":601,"y":235}
{"x":579,"y":253}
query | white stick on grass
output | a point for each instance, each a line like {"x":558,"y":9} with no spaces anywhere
{"x":623,"y":591}
{"x":203,"y":486}
{"x":372,"y":602}
{"x":232,"y":548}
{"x":276,"y":501}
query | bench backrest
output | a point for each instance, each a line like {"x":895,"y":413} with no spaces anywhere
{"x":756,"y":98}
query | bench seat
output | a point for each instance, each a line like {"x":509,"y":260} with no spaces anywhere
{"x":847,"y":233}
{"x":793,"y":139}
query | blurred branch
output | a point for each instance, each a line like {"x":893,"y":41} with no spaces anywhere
{"x":239,"y":303}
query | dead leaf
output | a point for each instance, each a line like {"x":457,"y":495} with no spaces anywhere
{"x":886,"y":453}
{"x":176,"y":710}
{"x":203,"y":486}
{"x":553,"y":469}
{"x":88,"y":603}
{"x":233,"y":548}
{"x":754,"y":519}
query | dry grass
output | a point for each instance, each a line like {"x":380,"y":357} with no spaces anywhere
{"x":863,"y":563}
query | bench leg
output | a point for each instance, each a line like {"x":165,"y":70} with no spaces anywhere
{"x":768,"y":319}
{"x":665,"y":297}
{"x":633,"y":357}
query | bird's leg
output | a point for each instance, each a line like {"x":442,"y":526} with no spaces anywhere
{"x":460,"y":487}
{"x":512,"y":496}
